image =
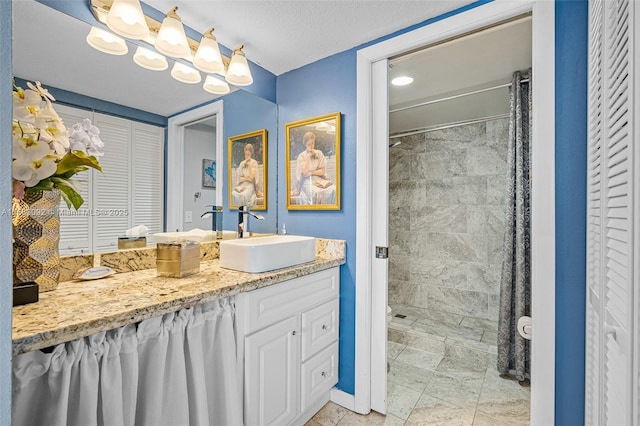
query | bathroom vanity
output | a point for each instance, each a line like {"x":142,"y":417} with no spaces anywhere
{"x":286,"y":323}
{"x":288,"y":334}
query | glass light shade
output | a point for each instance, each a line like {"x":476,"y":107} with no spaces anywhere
{"x":215,"y":86}
{"x":150,"y":60}
{"x":185,"y":74}
{"x":208,"y":58}
{"x":125,"y":18}
{"x":106,"y":42}
{"x":238,"y":72}
{"x":171,"y":39}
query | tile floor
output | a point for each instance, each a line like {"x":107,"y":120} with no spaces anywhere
{"x":442,"y":372}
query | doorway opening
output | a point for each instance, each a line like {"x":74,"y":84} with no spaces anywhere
{"x":372,"y":231}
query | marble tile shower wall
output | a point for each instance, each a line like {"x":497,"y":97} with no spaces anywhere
{"x":446,"y":219}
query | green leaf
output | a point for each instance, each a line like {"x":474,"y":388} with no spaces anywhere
{"x":69,"y":193}
{"x":43,"y":185}
{"x":70,"y":173}
{"x":74,"y":159}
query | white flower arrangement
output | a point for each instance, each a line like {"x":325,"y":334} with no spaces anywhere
{"x":45,"y":154}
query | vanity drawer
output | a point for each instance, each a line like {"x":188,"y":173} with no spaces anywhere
{"x":318,"y":375}
{"x":319,"y":327}
{"x":269,"y":305}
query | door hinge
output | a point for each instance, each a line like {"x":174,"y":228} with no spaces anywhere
{"x":382,"y":252}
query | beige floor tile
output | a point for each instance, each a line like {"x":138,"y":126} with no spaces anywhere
{"x":417,"y":340}
{"x":400,"y":400}
{"x":312,"y":423}
{"x":433,"y":411}
{"x":514,"y":413}
{"x":422,"y":359}
{"x":409,"y":376}
{"x":461,"y":391}
{"x":373,"y":418}
{"x":330,"y":414}
{"x":394,"y":349}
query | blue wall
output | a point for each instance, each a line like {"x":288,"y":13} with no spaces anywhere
{"x":329,"y":85}
{"x":571,"y":181}
{"x":243,"y":113}
{"x":323,"y":87}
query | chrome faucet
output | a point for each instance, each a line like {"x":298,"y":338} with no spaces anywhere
{"x":243,"y":221}
{"x":216,"y":219}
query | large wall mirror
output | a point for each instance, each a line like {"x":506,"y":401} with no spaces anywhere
{"x":111,"y":88}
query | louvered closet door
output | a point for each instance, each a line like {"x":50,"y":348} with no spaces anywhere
{"x":611,"y":373}
{"x":147,"y":182}
{"x":75,"y":226}
{"x":112,"y":201}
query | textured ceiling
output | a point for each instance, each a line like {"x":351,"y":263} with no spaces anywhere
{"x":284,"y":35}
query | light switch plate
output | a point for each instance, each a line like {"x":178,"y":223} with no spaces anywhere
{"x":188,"y":216}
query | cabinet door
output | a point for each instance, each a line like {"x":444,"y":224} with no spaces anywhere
{"x":271,"y":374}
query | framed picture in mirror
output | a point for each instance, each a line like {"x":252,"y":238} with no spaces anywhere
{"x":248,"y":170}
{"x":208,"y":173}
{"x":313,"y":163}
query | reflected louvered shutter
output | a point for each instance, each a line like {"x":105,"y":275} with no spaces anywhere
{"x":147,"y":182}
{"x":612,"y":258}
{"x":75,"y":226}
{"x":112,"y":200}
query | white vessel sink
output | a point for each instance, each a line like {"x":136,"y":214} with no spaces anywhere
{"x":197,"y":235}
{"x":260,"y":254}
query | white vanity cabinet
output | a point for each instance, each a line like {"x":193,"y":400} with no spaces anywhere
{"x":288,"y":347}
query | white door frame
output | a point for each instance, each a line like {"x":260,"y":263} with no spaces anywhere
{"x":372,"y":140}
{"x":175,"y":159}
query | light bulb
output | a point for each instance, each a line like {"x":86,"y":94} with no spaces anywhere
{"x":171,"y":39}
{"x":150,"y":60}
{"x":125,"y":18}
{"x":106,"y":42}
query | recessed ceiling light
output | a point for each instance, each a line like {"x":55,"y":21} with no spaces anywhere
{"x":402,"y":80}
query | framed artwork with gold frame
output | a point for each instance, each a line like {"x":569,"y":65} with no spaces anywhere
{"x":313,"y":163}
{"x":248,"y":170}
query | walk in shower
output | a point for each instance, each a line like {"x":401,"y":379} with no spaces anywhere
{"x":448,"y":171}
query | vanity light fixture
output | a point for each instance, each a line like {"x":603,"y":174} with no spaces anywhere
{"x":185,"y":73}
{"x":238,"y":72}
{"x":171,"y":39}
{"x":215,"y":86}
{"x":208,"y":58}
{"x":125,"y":18}
{"x":149,"y":59}
{"x":106,"y":42}
{"x":402,"y":80}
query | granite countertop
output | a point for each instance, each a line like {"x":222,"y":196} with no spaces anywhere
{"x":81,"y":308}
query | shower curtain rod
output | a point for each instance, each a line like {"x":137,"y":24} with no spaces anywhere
{"x":448,"y":98}
{"x":448,"y":126}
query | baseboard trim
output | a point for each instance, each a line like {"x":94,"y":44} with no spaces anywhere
{"x":343,"y":399}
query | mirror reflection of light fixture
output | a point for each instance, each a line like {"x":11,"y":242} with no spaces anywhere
{"x":215,"y":86}
{"x":208,"y":58}
{"x":238,"y":72}
{"x":150,"y":60}
{"x":106,"y":42}
{"x":185,"y":74}
{"x":171,"y":39}
{"x":125,"y":18}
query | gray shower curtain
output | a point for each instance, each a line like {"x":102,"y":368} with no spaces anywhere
{"x":515,"y":285}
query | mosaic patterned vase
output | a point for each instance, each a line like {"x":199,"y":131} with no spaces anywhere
{"x":36,"y":234}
